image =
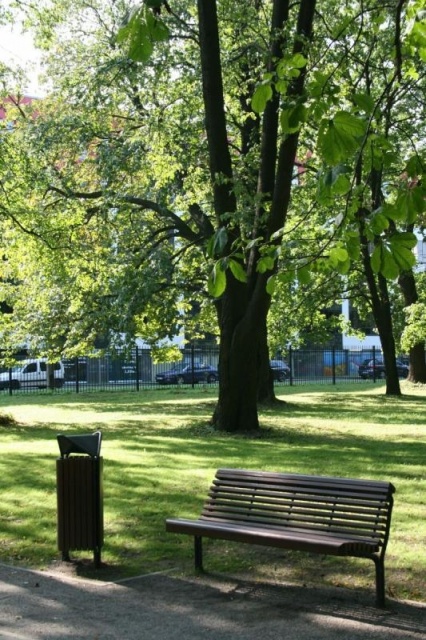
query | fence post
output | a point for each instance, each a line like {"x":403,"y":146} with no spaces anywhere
{"x":290,"y":364}
{"x":374,"y":363}
{"x":137,"y":367}
{"x":192,"y":366}
{"x":333,"y":364}
{"x":77,"y":375}
{"x":10,"y":381}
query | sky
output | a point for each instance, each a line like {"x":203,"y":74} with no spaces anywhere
{"x":17,"y":48}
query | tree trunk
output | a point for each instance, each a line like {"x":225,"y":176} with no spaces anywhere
{"x":244,"y":375}
{"x":50,"y":374}
{"x":242,"y":355}
{"x":381,"y":308}
{"x":417,"y":372}
{"x":385,"y":328}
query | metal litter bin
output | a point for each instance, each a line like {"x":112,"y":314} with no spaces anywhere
{"x":80,"y":495}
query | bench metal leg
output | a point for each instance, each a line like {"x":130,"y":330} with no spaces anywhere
{"x":198,"y":551}
{"x":380,"y":581}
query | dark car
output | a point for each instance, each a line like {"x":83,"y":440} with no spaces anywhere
{"x":280,"y":370}
{"x":187,"y":374}
{"x":376,"y":369}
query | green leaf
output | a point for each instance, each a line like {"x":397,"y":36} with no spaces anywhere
{"x":335,"y":146}
{"x":343,"y":267}
{"x":336,"y":177}
{"x":337,"y":140}
{"x":140,"y":48}
{"x":261,"y":96}
{"x":364,"y":101}
{"x":404,"y":239}
{"x":292,"y":119}
{"x":339,"y":259}
{"x":140,"y":30}
{"x":157,"y":29}
{"x":376,"y":258}
{"x":341,"y":185}
{"x":286,"y":277}
{"x":390,"y":268}
{"x":353,"y":247}
{"x":379,"y":223}
{"x":130,"y":22}
{"x":290,"y":67}
{"x":317,"y":86}
{"x":338,"y":254}
{"x":404,"y":257}
{"x":281,"y":86}
{"x":271,"y":285}
{"x":414,"y":167}
{"x":304,"y":275}
{"x":410,"y":203}
{"x":298,"y":60}
{"x":217,"y":281}
{"x":265,"y":263}
{"x":237,"y":270}
{"x":349,"y":124}
{"x":392,"y":212}
{"x":382,"y":261}
{"x":217,"y":242}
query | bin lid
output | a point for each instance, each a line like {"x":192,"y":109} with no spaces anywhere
{"x":88,"y":443}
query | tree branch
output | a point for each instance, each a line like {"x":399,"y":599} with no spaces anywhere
{"x":398,"y":48}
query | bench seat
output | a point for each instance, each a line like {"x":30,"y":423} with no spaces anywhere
{"x":317,"y":514}
{"x":295,"y":539}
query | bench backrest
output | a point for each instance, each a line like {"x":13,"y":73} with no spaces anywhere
{"x":338,"y":506}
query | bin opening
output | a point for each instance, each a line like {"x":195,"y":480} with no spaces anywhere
{"x":88,"y":443}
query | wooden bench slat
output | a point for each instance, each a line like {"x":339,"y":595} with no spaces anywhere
{"x":297,"y":530}
{"x":354,"y":494}
{"x":310,"y":525}
{"x":334,"y":525}
{"x":297,"y":479}
{"x":295,"y":507}
{"x":294,"y":539}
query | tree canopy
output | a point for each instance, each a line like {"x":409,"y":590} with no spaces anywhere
{"x":194,"y":162}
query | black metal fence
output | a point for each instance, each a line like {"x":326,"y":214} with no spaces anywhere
{"x":137,"y":369}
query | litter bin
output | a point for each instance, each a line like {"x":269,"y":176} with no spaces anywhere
{"x":80,"y":494}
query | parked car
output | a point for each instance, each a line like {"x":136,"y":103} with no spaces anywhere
{"x":32,"y":374}
{"x":280,"y":370}
{"x":376,"y":369}
{"x":186,"y":374}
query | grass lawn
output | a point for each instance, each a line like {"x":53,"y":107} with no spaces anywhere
{"x":160,"y":457}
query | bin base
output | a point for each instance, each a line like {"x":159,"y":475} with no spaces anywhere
{"x":96,"y":558}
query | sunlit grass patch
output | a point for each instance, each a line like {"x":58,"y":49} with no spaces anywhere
{"x":160,"y":455}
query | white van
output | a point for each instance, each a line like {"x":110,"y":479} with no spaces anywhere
{"x":32,"y":374}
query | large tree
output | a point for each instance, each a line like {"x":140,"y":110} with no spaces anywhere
{"x":249,"y":166}
{"x":370,"y":160}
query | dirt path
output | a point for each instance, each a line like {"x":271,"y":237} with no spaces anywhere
{"x":50,"y":605}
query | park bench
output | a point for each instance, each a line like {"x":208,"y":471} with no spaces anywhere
{"x":325,"y":515}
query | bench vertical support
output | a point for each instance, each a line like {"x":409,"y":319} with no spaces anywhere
{"x":198,"y":552}
{"x":380,"y":581}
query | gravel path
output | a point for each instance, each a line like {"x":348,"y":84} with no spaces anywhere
{"x":49,"y":605}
